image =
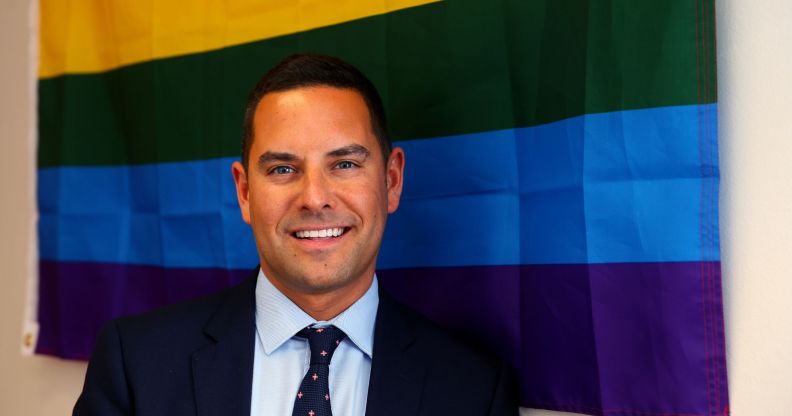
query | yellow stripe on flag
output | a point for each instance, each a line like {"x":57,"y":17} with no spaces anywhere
{"x":86,"y":36}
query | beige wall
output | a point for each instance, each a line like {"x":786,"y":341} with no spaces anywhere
{"x":33,"y":385}
{"x":755,"y":64}
{"x":755,"y":75}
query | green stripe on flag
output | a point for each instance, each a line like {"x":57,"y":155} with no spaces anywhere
{"x":448,"y":68}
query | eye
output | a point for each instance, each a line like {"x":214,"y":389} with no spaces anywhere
{"x":345,"y":165}
{"x":282,"y":170}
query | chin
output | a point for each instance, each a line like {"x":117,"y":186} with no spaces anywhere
{"x":324,"y":283}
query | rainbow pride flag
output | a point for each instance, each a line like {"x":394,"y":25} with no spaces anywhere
{"x":560,"y":200}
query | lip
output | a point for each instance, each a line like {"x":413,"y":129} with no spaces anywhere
{"x":319,"y":227}
{"x":319,"y":243}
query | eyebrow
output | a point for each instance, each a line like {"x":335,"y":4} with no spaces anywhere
{"x":269,"y":157}
{"x":352,"y":149}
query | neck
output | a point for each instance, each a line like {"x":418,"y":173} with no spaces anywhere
{"x":325,"y":305}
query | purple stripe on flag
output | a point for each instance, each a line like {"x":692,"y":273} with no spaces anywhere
{"x":69,"y":322}
{"x":582,"y":338}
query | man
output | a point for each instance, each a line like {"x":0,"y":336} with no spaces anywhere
{"x":309,"y":333}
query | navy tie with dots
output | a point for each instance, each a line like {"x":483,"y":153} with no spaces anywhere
{"x":313,"y":397}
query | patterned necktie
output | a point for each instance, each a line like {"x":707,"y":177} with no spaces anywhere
{"x":313,"y":397}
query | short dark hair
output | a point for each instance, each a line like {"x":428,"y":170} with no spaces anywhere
{"x":311,"y":70}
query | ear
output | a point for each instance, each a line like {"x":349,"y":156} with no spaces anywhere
{"x":394,"y":178}
{"x":242,"y":189}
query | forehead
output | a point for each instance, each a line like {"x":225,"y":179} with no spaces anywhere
{"x":311,"y":118}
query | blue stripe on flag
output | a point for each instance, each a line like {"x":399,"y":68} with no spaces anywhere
{"x":600,"y":188}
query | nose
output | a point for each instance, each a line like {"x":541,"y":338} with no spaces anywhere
{"x":316,"y":192}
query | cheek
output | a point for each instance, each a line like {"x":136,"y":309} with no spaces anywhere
{"x":265,"y":212}
{"x":370,"y":206}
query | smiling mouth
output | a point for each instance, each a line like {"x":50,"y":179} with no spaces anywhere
{"x":318,"y":234}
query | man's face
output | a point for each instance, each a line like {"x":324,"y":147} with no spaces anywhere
{"x":317,"y":191}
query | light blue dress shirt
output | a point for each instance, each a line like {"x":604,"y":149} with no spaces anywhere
{"x":281,"y":359}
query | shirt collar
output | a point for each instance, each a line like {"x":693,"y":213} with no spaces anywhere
{"x":278,"y":319}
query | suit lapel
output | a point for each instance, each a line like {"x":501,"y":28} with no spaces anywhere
{"x":223,"y":370}
{"x":397,"y":375}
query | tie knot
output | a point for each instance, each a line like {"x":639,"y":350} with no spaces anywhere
{"x":323,"y":342}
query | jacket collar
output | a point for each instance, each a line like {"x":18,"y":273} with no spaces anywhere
{"x":223,"y":369}
{"x":397,"y":374}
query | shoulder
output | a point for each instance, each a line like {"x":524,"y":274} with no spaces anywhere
{"x":181,"y":326}
{"x":440,"y":349}
{"x":442,"y":346}
{"x":172,"y":320}
{"x":144,"y":361}
{"x":457,"y":375}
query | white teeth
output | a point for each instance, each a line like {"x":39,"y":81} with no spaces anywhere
{"x":327,"y":232}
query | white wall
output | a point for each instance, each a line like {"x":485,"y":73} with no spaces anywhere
{"x":37,"y":385}
{"x":755,"y":96}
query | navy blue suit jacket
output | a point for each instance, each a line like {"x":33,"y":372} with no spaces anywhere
{"x":196,"y":358}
